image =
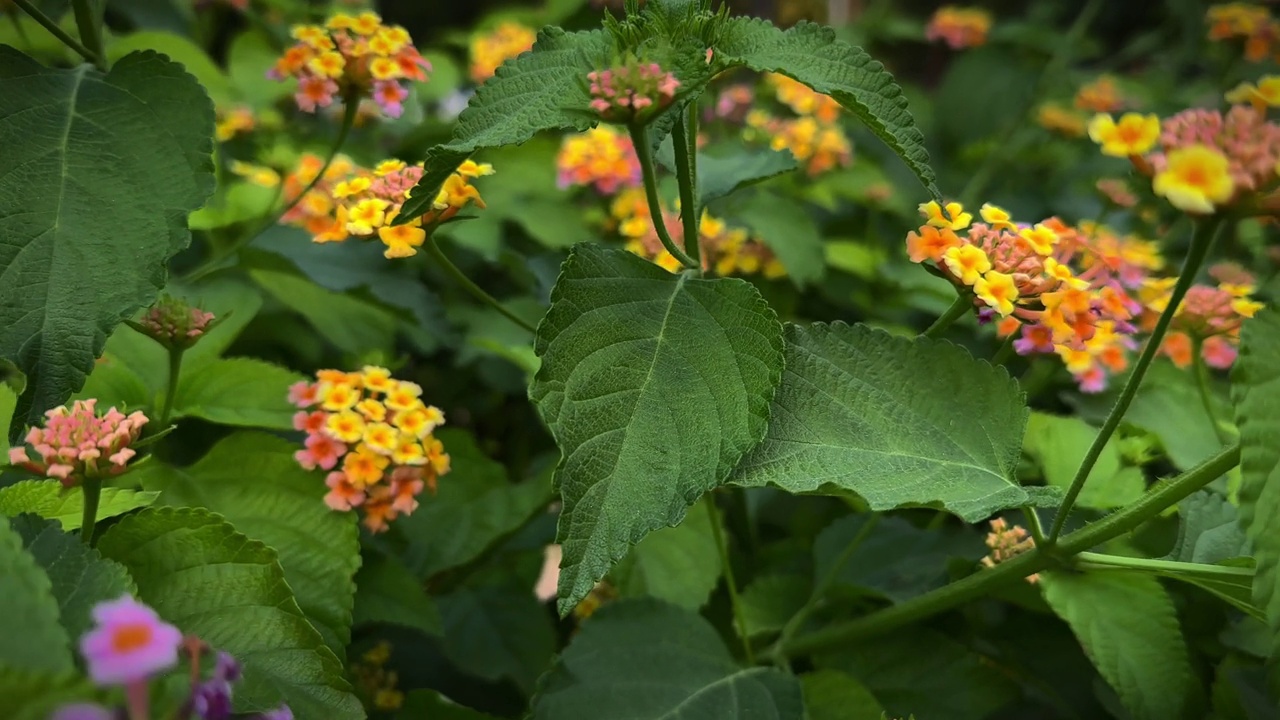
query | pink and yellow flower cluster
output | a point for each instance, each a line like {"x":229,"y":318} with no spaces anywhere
{"x":490,"y":50}
{"x":631,"y":90}
{"x":1251,"y":23}
{"x":601,"y":157}
{"x":76,"y":443}
{"x":815,"y":137}
{"x":352,"y":57}
{"x":1209,"y":318}
{"x":374,"y":434}
{"x":958,"y":27}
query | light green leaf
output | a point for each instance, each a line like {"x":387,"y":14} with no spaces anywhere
{"x":351,"y":324}
{"x":238,"y":391}
{"x":722,"y":173}
{"x":207,"y":579}
{"x":649,"y":660}
{"x":1058,"y":444}
{"x":30,"y":636}
{"x":1209,"y":532}
{"x":253,"y":481}
{"x":900,"y":421}
{"x":386,"y":592}
{"x":475,"y":505}
{"x":98,"y":175}
{"x":654,"y":386}
{"x":8,"y":401}
{"x":81,"y":577}
{"x":545,"y":89}
{"x":494,"y":633}
{"x":34,"y":695}
{"x":1168,"y":405}
{"x":856,"y":258}
{"x":180,"y":50}
{"x":1255,"y":390}
{"x":420,"y":704}
{"x":771,"y":600}
{"x":678,"y":564}
{"x":249,"y":58}
{"x":1129,"y":629}
{"x":49,"y":500}
{"x":833,"y":695}
{"x":790,"y":232}
{"x":811,"y":54}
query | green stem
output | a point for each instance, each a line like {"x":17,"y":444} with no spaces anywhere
{"x":739,"y":615}
{"x":48,"y":24}
{"x":684,"y":140}
{"x":962,"y":305}
{"x":1201,"y":241}
{"x":1206,"y":396}
{"x":350,"y":110}
{"x":175,"y":372}
{"x":92,"y":490}
{"x":1004,"y":351}
{"x":1100,"y":561}
{"x":1033,"y":524}
{"x":640,"y":139}
{"x":89,"y":23}
{"x":433,"y":249}
{"x":983,"y":582}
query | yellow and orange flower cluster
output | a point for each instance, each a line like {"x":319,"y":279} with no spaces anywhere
{"x":802,"y":100}
{"x":351,"y":201}
{"x":1006,"y":542}
{"x":959,"y":27}
{"x":1209,"y":319}
{"x":489,"y":51}
{"x":1054,"y":117}
{"x":374,"y":434}
{"x":233,"y":121}
{"x":352,"y":57}
{"x":1251,"y":23}
{"x":815,"y":138}
{"x":1100,"y":96}
{"x":600,"y":157}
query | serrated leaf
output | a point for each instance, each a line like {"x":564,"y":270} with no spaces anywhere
{"x":654,"y":386}
{"x":649,"y":660}
{"x":1058,"y":444}
{"x":181,"y":50}
{"x":834,"y":695}
{"x":771,"y":600}
{"x":900,"y":421}
{"x":811,"y":54}
{"x":1169,"y":406}
{"x":30,"y":636}
{"x":253,"y":481}
{"x":34,"y":695}
{"x":494,"y":633}
{"x":207,"y":579}
{"x":1209,"y":532}
{"x":545,"y":89}
{"x":238,"y":391}
{"x":49,"y":500}
{"x":386,"y":592}
{"x":723,"y":173}
{"x":1255,"y":391}
{"x":678,"y":564}
{"x":893,"y":558}
{"x":81,"y":577}
{"x":97,"y":178}
{"x":1129,"y":629}
{"x":789,"y":231}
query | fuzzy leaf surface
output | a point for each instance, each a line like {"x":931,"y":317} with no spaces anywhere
{"x":30,"y":636}
{"x":51,"y":501}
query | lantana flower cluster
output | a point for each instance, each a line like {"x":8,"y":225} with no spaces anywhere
{"x":631,"y":90}
{"x":815,"y":137}
{"x":352,"y":57}
{"x":1209,"y":318}
{"x":1244,"y":21}
{"x":601,"y":157}
{"x":174,"y":324}
{"x":374,"y":434}
{"x":1006,"y":542}
{"x":959,"y":27}
{"x":490,"y":50}
{"x":233,"y":121}
{"x":356,"y":202}
{"x":77,"y":443}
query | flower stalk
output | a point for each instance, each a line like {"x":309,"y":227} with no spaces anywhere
{"x":92,"y":490}
{"x":640,"y":139}
{"x":89,"y":23}
{"x":684,"y":140}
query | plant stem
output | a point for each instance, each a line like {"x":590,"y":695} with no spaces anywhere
{"x":1033,"y":524}
{"x":350,"y":110}
{"x":1201,"y":240}
{"x":89,"y":23}
{"x":1004,"y":351}
{"x":175,"y":372}
{"x":640,"y":139}
{"x":1206,"y":396}
{"x":433,"y":249}
{"x":962,"y":305}
{"x":739,"y":616}
{"x":684,"y":138}
{"x":48,"y":24}
{"x":92,"y":490}
{"x":981,"y":583}
{"x":1100,"y":561}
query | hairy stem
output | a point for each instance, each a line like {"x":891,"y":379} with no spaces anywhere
{"x":48,"y":24}
{"x":433,"y":249}
{"x":640,"y":139}
{"x":89,"y":23}
{"x":963,"y":304}
{"x":684,"y":139}
{"x":739,"y":614}
{"x":1205,"y":232}
{"x":175,"y":372}
{"x":92,"y":489}
{"x":1100,"y":561}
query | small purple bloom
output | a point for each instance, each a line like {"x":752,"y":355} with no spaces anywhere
{"x":211,"y":700}
{"x":83,"y":711}
{"x":226,"y":667}
{"x":281,"y":713}
{"x":986,"y":315}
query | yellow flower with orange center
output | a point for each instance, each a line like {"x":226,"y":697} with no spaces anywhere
{"x":401,"y":240}
{"x":418,"y":421}
{"x":347,"y":188}
{"x":1196,"y":178}
{"x":998,"y":291}
{"x":366,"y":216}
{"x":930,"y":243}
{"x":372,"y":410}
{"x":1265,"y":94}
{"x":995,"y":216}
{"x":1063,"y":274}
{"x":1040,"y":239}
{"x":364,"y":467}
{"x":381,"y":438}
{"x":347,"y":426}
{"x":954,"y":219}
{"x":408,"y":451}
{"x":338,"y":396}
{"x":385,"y":69}
{"x":404,"y":396}
{"x":1135,"y":134}
{"x":967,"y":262}
{"x":329,"y":64}
{"x":367,"y":23}
{"x":377,"y":379}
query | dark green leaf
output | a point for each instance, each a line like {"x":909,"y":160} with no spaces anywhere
{"x":678,"y":564}
{"x":492,"y":633}
{"x":49,"y":500}
{"x":30,"y":636}
{"x":771,"y":600}
{"x":386,"y":592}
{"x":654,"y":387}
{"x":723,"y":173}
{"x":180,"y":50}
{"x":1168,"y":405}
{"x":790,"y":232}
{"x":894,"y":558}
{"x":351,"y":324}
{"x":1209,"y":532}
{"x":833,"y":695}
{"x":424,"y":704}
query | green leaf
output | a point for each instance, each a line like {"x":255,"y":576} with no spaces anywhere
{"x":812,"y":55}
{"x":238,"y":391}
{"x":180,"y":50}
{"x":30,"y":636}
{"x":351,"y":324}
{"x":34,"y":695}
{"x":8,"y":401}
{"x":771,"y":600}
{"x":207,"y":579}
{"x":789,"y":231}
{"x":723,"y":173}
{"x":654,"y":386}
{"x":1209,"y":532}
{"x":646,"y":660}
{"x":49,"y":500}
{"x":81,"y":577}
{"x":545,"y":89}
{"x":893,"y":558}
{"x":1168,"y":405}
{"x":475,"y":505}
{"x":1129,"y":629}
{"x":253,"y":481}
{"x":1255,"y":390}
{"x":833,"y":695}
{"x":900,"y":421}
{"x":494,"y":633}
{"x":678,"y":564}
{"x":419,"y":704}
{"x":386,"y":592}
{"x":1058,"y":444}
{"x":98,"y":175}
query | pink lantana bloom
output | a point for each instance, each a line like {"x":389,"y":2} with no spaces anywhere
{"x":130,"y":643}
{"x":77,"y":443}
{"x":390,"y":97}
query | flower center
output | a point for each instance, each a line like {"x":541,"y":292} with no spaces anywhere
{"x":128,"y":638}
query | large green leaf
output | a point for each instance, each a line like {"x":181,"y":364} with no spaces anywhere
{"x":350,"y":323}
{"x":812,"y":55}
{"x":34,"y":695}
{"x":725,"y":171}
{"x":180,"y":50}
{"x":386,"y":592}
{"x":253,"y":481}
{"x":1209,"y":532}
{"x":1127,"y":626}
{"x":81,"y":577}
{"x":1169,"y":406}
{"x":834,"y":695}
{"x":1058,"y":444}
{"x":238,"y":391}
{"x":900,"y":421}
{"x":1255,"y":390}
{"x":8,"y":401}
{"x":49,"y":500}
{"x":207,"y":579}
{"x":678,"y":564}
{"x":790,"y":232}
{"x":493,"y":633}
{"x":654,"y":386}
{"x":98,"y":175}
{"x":30,"y":636}
{"x":545,"y":89}
{"x":649,"y":660}
{"x":770,"y":601}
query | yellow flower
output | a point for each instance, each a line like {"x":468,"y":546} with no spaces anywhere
{"x":386,"y":167}
{"x":1040,"y":238}
{"x":329,"y":64}
{"x":1237,"y":289}
{"x":367,"y":23}
{"x":338,"y":396}
{"x":404,"y":396}
{"x":385,"y":69}
{"x":419,"y":420}
{"x":401,"y":240}
{"x":372,"y":410}
{"x":967,"y":262}
{"x":354,"y":186}
{"x":313,"y":36}
{"x":408,"y":451}
{"x":377,"y":379}
{"x":998,"y":291}
{"x":381,"y":438}
{"x":1063,"y":274}
{"x":1265,"y":93}
{"x":473,"y":169}
{"x":955,"y":219}
{"x":1195,"y":179}
{"x":340,"y":21}
{"x":366,"y":215}
{"x":1245,"y":307}
{"x":1133,"y":135}
{"x":346,"y":426}
{"x":997,"y":217}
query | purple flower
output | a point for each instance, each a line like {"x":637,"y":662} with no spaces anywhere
{"x":281,"y":713}
{"x":83,"y":711}
{"x":211,"y":700}
{"x":129,"y":643}
{"x":226,"y":667}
